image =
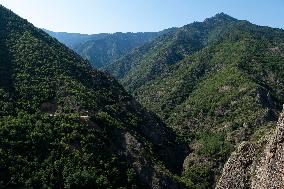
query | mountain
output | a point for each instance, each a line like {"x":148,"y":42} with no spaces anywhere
{"x":217,"y":83}
{"x":103,"y":49}
{"x":72,"y":40}
{"x":216,"y":86}
{"x":65,"y":125}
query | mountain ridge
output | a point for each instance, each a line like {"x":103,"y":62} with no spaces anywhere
{"x":213,"y":82}
{"x":102,"y":49}
{"x":206,"y":102}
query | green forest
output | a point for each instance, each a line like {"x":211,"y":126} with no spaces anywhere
{"x":135,"y":110}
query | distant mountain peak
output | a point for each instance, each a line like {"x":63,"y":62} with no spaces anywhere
{"x":223,"y":17}
{"x":3,"y":9}
{"x":222,"y":14}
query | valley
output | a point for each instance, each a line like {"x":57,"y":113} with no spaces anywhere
{"x":197,"y":106}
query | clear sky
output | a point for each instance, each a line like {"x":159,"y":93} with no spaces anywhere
{"x":97,"y":16}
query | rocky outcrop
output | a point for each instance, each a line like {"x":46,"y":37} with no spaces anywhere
{"x":236,"y":172}
{"x":250,"y":167}
{"x":269,"y":172}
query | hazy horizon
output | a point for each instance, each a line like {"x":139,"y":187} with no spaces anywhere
{"x":110,"y":16}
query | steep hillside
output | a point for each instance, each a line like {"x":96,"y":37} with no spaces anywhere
{"x":216,"y":83}
{"x":65,"y":125}
{"x":257,"y":164}
{"x":156,"y":58}
{"x":104,"y":51}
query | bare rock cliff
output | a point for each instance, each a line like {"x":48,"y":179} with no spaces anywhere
{"x":248,"y":169}
{"x":269,"y":172}
{"x":236,"y":172}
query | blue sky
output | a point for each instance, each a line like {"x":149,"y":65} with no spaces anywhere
{"x":96,"y":16}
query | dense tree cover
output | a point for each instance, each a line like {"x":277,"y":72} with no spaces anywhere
{"x":221,"y":76}
{"x":156,"y":58}
{"x":66,"y":125}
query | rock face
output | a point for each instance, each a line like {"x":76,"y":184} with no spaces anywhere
{"x":269,"y":173}
{"x":236,"y":172}
{"x":246,"y":169}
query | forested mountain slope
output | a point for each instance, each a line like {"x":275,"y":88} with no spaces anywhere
{"x":217,"y":83}
{"x":66,"y":125}
{"x":103,"y":49}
